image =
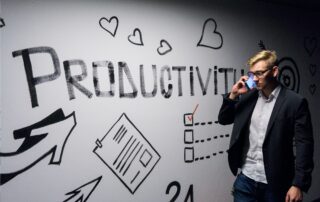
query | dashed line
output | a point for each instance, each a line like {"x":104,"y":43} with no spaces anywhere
{"x":203,"y":123}
{"x":208,"y":156}
{"x":209,"y":139}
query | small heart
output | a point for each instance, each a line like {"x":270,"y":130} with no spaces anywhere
{"x":110,"y":26}
{"x":312,"y":89}
{"x":310,"y":44}
{"x":313,"y":69}
{"x":164,"y":47}
{"x":2,"y":24}
{"x":136,"y":37}
{"x":210,"y":37}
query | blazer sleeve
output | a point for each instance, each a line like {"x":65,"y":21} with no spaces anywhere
{"x":227,"y":110}
{"x":304,"y":147}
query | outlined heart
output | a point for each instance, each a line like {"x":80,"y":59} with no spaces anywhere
{"x":313,"y":69}
{"x":210,"y":37}
{"x":164,"y":47}
{"x":310,"y":44}
{"x":136,"y":37}
{"x":312,"y":88}
{"x":110,"y":25}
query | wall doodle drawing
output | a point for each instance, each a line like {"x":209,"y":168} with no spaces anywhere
{"x":312,"y":89}
{"x":192,"y":143}
{"x":127,"y":153}
{"x":164,"y":47}
{"x":210,"y":37}
{"x":189,"y":196}
{"x":39,"y":141}
{"x":310,"y":45}
{"x":109,"y":25}
{"x":2,"y":23}
{"x":82,"y":193}
{"x":313,"y":69}
{"x":261,"y":45}
{"x":289,"y":74}
{"x":136,"y":37}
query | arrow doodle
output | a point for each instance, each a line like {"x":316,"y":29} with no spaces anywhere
{"x":40,"y":140}
{"x":82,"y":193}
{"x":2,"y":24}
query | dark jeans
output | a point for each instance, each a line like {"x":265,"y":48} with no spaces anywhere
{"x":248,"y":190}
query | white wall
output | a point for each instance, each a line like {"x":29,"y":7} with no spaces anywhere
{"x":86,"y":138}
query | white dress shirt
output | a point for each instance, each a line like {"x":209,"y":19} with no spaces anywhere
{"x":253,"y":166}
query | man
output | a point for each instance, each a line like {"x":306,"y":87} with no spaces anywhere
{"x":272,"y":138}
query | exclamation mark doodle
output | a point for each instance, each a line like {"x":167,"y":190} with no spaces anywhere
{"x":2,"y":24}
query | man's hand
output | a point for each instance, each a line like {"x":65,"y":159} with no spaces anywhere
{"x":238,"y":88}
{"x":294,"y":194}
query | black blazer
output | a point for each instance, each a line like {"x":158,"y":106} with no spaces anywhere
{"x":289,"y":127}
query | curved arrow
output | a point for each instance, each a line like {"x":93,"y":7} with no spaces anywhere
{"x":41,"y":139}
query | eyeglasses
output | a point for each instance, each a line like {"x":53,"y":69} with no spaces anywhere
{"x":259,"y":74}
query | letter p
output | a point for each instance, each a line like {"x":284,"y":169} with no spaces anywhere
{"x":33,"y":81}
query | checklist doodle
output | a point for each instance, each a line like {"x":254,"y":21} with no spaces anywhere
{"x":127,"y":153}
{"x":193,"y":145}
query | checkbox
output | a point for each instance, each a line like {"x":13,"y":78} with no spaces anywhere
{"x":188,"y":119}
{"x":188,"y":154}
{"x":188,"y":136}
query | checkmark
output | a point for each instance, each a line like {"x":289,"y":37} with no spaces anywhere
{"x":194,"y":111}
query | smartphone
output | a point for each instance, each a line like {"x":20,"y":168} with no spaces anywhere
{"x":250,"y":83}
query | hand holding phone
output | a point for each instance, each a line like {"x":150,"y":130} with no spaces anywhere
{"x":250,"y":83}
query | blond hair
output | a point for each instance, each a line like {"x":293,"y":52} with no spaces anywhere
{"x":267,"y":55}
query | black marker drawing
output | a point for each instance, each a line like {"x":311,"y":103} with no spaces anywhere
{"x":261,"y":45}
{"x":313,"y":69}
{"x":73,"y":81}
{"x":312,"y":89}
{"x":82,"y":193}
{"x":289,"y":74}
{"x":127,"y":153}
{"x":189,"y":195}
{"x":2,"y":23}
{"x":109,"y":25}
{"x":164,"y":47}
{"x":136,"y":37}
{"x":210,"y":37}
{"x":40,"y":140}
{"x":191,"y":141}
{"x":310,"y":44}
{"x":32,"y":80}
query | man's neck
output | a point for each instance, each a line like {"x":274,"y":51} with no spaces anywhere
{"x":268,"y":90}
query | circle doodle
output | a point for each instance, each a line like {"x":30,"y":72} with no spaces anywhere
{"x":289,"y":74}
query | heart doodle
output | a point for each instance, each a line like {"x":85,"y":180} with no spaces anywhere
{"x":210,"y":37}
{"x":310,"y":44}
{"x":136,"y":37}
{"x":164,"y":47}
{"x":313,"y":69}
{"x":110,"y":26}
{"x":312,"y":88}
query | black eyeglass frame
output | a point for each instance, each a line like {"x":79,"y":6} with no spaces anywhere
{"x":259,"y":74}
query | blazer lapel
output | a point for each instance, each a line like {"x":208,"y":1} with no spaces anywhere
{"x":276,"y":109}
